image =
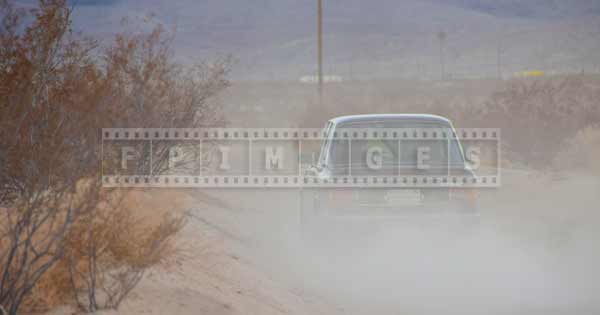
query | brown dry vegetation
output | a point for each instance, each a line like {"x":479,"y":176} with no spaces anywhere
{"x":538,"y":116}
{"x":62,"y":238}
{"x":581,"y":153}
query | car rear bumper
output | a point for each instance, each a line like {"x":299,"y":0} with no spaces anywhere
{"x":391,"y":202}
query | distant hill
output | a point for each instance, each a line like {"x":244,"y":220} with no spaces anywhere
{"x":275,"y":39}
{"x":530,"y":8}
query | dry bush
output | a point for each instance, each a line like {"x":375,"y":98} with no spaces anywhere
{"x":456,"y":99}
{"x":109,"y":251}
{"x":538,"y":117}
{"x":57,"y":90}
{"x":147,"y":88}
{"x":46,"y":144}
{"x":581,"y":153}
{"x":51,"y":291}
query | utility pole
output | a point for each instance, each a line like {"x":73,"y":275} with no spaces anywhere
{"x":441,"y":35}
{"x":500,"y":50}
{"x":499,"y":59}
{"x":320,"y":49}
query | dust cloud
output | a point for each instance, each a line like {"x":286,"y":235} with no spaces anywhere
{"x":534,"y":251}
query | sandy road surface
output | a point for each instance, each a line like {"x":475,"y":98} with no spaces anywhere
{"x":535,"y":252}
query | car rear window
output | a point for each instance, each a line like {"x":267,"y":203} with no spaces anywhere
{"x":339,"y":154}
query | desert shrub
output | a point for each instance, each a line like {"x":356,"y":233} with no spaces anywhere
{"x":110,"y":249}
{"x":581,"y":153}
{"x":107,"y":252}
{"x":47,"y":143}
{"x":57,"y":90}
{"x":538,"y":117}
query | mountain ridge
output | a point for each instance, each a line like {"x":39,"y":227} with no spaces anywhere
{"x":275,"y":39}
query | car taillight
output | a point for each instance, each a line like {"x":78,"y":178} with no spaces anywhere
{"x":468,"y":196}
{"x":340,"y":197}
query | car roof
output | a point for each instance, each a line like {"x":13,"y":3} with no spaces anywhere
{"x":391,"y":117}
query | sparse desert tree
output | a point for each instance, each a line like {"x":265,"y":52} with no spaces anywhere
{"x":149,"y":89}
{"x":55,"y":96}
{"x":110,"y":250}
{"x":47,"y":143}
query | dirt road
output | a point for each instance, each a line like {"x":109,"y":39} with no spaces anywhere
{"x":535,"y":252}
